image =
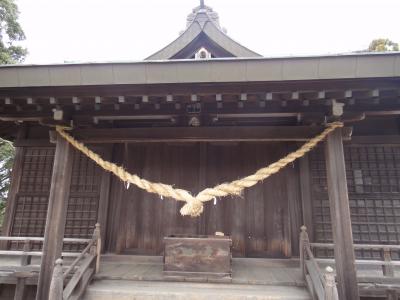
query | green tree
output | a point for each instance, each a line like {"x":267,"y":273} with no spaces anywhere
{"x":6,"y":162}
{"x":10,"y":53}
{"x":10,"y":33}
{"x":382,"y":45}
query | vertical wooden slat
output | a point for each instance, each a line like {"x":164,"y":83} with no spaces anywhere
{"x":56,"y":215}
{"x":256,"y":238}
{"x":132,"y":197}
{"x":340,"y":215}
{"x":157,"y":235}
{"x":294,"y":203}
{"x":104,"y":198}
{"x":277,"y":217}
{"x":169,"y":206}
{"x":211,"y":210}
{"x":189,"y":180}
{"x":114,"y":234}
{"x":238,"y":209}
{"x":149,"y":201}
{"x":202,"y":184}
{"x":305,"y":189}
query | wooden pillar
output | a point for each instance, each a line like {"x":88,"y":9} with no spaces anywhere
{"x":16,"y":176}
{"x":340,"y":217}
{"x":56,"y":215}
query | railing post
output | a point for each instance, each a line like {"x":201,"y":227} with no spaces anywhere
{"x":387,"y":268}
{"x":96,"y":250}
{"x":304,"y":242}
{"x":57,"y":282}
{"x":331,"y":292}
{"x":25,"y":258}
{"x":392,"y":294}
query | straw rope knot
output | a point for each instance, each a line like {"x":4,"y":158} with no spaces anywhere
{"x":193,"y":207}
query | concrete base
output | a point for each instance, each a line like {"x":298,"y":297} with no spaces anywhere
{"x":144,"y":290}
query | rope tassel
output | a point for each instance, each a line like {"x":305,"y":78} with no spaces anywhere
{"x":194,"y":206}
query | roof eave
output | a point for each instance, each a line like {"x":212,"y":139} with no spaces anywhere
{"x":205,"y":71}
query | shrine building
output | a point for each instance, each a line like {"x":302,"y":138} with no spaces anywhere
{"x":205,"y":169}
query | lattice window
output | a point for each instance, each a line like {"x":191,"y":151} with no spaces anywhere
{"x":373,"y":177}
{"x":84,"y":200}
{"x":32,"y":197}
{"x":36,"y":170}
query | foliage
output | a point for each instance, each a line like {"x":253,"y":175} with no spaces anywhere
{"x":382,"y":45}
{"x":6,"y":162}
{"x":10,"y":33}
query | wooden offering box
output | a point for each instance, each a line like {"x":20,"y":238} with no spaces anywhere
{"x":198,"y":256}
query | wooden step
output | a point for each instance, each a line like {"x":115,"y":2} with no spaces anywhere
{"x":143,"y":290}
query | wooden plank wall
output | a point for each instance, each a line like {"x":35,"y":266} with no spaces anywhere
{"x":258,"y":221}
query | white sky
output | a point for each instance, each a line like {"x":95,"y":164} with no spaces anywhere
{"x":124,"y":30}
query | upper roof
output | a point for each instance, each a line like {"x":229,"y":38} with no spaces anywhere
{"x":368,"y":65}
{"x":203,"y":30}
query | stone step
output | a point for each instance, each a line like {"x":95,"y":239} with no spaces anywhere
{"x":146,"y":290}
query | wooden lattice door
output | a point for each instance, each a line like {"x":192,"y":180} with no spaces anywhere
{"x":31,"y":200}
{"x":33,"y":194}
{"x":373,"y":177}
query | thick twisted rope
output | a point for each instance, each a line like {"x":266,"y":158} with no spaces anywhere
{"x":194,"y":204}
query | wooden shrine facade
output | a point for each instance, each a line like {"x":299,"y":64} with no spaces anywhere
{"x":200,"y":128}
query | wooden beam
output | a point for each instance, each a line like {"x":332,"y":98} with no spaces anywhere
{"x":56,"y":215}
{"x":204,"y":134}
{"x":340,"y":217}
{"x":376,"y":139}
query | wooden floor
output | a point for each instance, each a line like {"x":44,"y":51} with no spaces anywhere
{"x":244,"y":270}
{"x":145,"y":290}
{"x":141,"y":278}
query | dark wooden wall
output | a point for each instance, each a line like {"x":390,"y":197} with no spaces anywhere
{"x":258,"y":221}
{"x":264,"y":222}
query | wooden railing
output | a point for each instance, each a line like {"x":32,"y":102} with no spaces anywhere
{"x":370,"y":286}
{"x":26,"y":273}
{"x":321,"y":286}
{"x":64,"y":288}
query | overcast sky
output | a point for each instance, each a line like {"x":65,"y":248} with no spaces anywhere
{"x":124,"y":30}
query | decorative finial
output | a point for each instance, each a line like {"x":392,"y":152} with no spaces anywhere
{"x":202,"y":3}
